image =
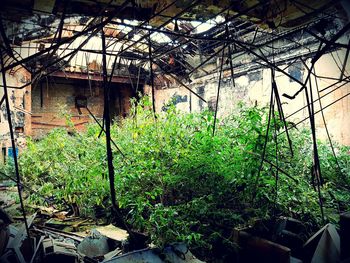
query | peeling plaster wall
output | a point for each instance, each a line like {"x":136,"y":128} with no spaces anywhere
{"x":255,"y":87}
{"x":338,"y":115}
{"x":20,"y":106}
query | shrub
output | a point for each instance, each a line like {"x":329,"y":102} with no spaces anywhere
{"x":179,"y":183}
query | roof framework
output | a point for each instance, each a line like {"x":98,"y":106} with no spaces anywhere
{"x":248,"y":39}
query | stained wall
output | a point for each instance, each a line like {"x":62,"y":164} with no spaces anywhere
{"x":20,"y":109}
{"x":255,"y":88}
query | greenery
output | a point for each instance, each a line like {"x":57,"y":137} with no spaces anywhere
{"x":179,"y":183}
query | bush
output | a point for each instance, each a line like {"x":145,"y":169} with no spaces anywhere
{"x":179,"y":183}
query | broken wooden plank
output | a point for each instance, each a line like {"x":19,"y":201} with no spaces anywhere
{"x":113,"y":232}
{"x":256,"y":249}
{"x":52,"y":231}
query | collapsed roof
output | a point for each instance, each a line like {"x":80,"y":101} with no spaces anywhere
{"x":177,"y":37}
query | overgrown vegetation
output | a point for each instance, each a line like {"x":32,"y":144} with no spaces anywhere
{"x":179,"y":183}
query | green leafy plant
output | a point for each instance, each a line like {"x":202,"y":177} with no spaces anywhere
{"x":179,"y":183}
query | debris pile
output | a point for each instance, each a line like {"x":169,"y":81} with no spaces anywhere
{"x":284,"y":240}
{"x":45,"y":242}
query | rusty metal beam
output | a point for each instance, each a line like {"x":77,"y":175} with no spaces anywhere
{"x":192,"y":5}
{"x":151,"y":75}
{"x":92,"y":28}
{"x":93,"y":77}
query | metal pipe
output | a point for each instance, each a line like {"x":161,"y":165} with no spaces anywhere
{"x":218,"y":93}
{"x":107,"y":118}
{"x":65,"y":41}
{"x":151,"y":75}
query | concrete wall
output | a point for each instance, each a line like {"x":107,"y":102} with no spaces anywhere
{"x":255,"y":87}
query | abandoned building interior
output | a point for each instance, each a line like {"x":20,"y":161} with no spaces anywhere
{"x":175,"y":131}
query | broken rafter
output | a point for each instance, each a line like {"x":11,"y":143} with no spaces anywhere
{"x":92,"y":77}
{"x":249,"y":48}
{"x":265,"y":144}
{"x":144,"y":22}
{"x":187,"y":36}
{"x":316,"y":169}
{"x":345,"y":61}
{"x":218,"y":92}
{"x":230,"y":57}
{"x":325,"y":107}
{"x":317,"y":56}
{"x":330,"y":92}
{"x":58,"y":33}
{"x":7,"y":48}
{"x":151,"y":75}
{"x":325,"y":41}
{"x":281,"y":112}
{"x":68,"y":40}
{"x":180,"y":35}
{"x":193,"y":4}
{"x":136,"y":42}
{"x":243,"y":45}
{"x":2,"y":100}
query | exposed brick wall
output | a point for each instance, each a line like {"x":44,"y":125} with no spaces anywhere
{"x":52,"y":99}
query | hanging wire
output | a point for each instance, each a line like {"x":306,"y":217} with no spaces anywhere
{"x":326,"y":128}
{"x":262,"y":158}
{"x":316,"y":169}
{"x":218,"y":92}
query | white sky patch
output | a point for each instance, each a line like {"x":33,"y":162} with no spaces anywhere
{"x":132,"y":22}
{"x":160,"y":37}
{"x":124,"y":29}
{"x":202,"y":27}
{"x":136,"y":37}
{"x":142,"y":45}
{"x":219,"y":19}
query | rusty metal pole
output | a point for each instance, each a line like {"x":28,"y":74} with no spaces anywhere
{"x":13,"y":143}
{"x":107,"y":118}
{"x":218,"y":92}
{"x":151,"y":74}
